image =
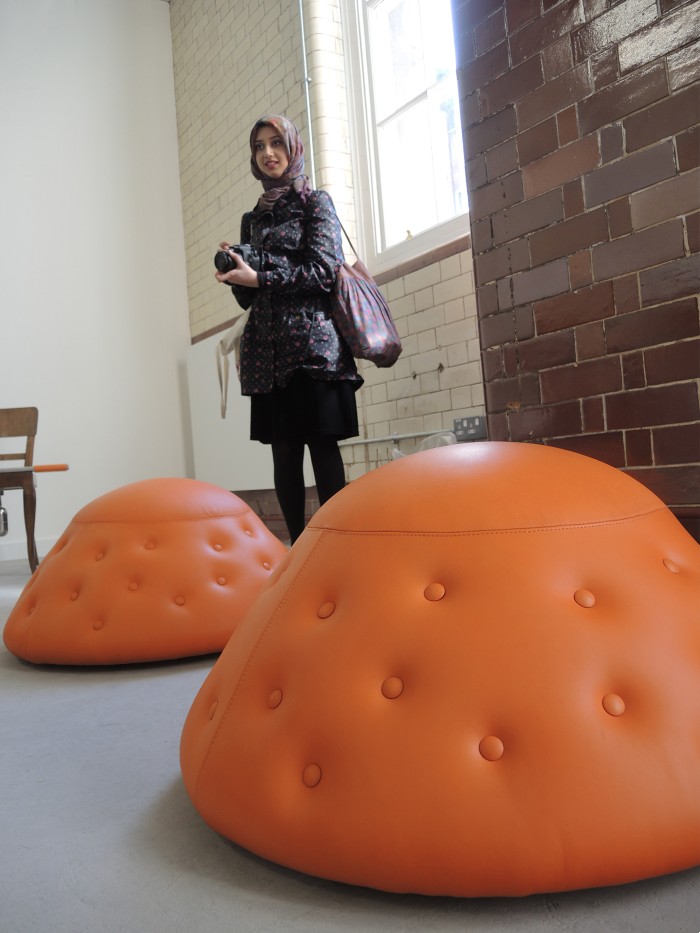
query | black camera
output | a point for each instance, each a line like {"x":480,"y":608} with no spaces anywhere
{"x":225,"y":262}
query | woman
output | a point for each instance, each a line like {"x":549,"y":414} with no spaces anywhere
{"x":294,"y":364}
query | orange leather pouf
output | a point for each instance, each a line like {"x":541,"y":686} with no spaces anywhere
{"x":160,"y":569}
{"x":476,"y":673}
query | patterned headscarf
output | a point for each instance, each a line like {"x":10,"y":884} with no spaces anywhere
{"x":293,"y":176}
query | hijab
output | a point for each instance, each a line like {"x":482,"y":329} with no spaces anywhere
{"x":293,"y":176}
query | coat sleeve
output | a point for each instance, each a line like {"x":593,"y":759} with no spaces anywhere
{"x":315,"y":268}
{"x":244,"y":295}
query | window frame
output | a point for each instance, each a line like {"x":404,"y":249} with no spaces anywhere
{"x":365,"y":158}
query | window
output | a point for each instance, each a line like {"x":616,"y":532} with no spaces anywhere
{"x":405,"y":116}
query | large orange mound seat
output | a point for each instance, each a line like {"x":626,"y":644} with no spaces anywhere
{"x":159,"y":569}
{"x":476,"y":673}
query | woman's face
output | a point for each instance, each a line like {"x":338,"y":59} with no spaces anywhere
{"x":270,"y":154}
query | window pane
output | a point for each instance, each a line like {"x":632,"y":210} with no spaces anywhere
{"x":397,"y":55}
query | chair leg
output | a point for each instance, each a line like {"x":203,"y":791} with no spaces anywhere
{"x":29,"y":497}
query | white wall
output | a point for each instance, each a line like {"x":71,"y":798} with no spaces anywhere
{"x":93,"y":313}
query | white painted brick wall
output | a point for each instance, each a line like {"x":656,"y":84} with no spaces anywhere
{"x":236,"y":61}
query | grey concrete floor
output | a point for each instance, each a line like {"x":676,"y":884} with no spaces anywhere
{"x":99,"y":836}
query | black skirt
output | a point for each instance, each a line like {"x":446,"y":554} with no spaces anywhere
{"x":304,"y":410}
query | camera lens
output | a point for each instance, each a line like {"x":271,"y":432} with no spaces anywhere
{"x":223,"y":261}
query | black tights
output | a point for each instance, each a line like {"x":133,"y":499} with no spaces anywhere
{"x":288,"y":460}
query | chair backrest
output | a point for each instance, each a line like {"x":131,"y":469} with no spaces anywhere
{"x":19,"y":422}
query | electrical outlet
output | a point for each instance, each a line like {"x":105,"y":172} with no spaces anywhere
{"x":470,"y":429}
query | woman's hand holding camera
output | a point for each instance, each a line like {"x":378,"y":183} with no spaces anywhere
{"x":241,"y":274}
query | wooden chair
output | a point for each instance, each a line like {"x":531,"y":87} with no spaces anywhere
{"x":22,"y":423}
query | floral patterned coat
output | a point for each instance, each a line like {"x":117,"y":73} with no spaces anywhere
{"x":290,"y":325}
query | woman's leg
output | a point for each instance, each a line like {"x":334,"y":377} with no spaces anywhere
{"x":328,"y":467}
{"x":288,"y":462}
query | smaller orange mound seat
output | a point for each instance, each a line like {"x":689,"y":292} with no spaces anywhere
{"x":159,"y":569}
{"x":476,"y":673}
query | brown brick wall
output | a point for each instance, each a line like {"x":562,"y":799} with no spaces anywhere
{"x":583,"y":166}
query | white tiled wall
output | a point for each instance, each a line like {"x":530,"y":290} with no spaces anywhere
{"x":236,"y":61}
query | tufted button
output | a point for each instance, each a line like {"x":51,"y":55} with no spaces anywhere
{"x":98,"y":624}
{"x":671,"y":565}
{"x":392,"y":688}
{"x":275,"y":698}
{"x":213,"y":708}
{"x":149,"y":545}
{"x":326,"y":610}
{"x":613,"y":704}
{"x":133,"y":585}
{"x":179,"y":600}
{"x":267,"y":565}
{"x":221,"y":580}
{"x":584,"y":598}
{"x":217,"y":547}
{"x":74,"y":595}
{"x":311,"y":776}
{"x":100,"y":555}
{"x":434,"y":592}
{"x":30,"y":608}
{"x":249,"y":532}
{"x":491,"y":748}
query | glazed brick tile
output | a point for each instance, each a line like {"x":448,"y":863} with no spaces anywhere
{"x":638,"y":250}
{"x":545,"y":30}
{"x":476,"y":172}
{"x":464,"y":42}
{"x":605,"y":68}
{"x":567,"y":126}
{"x":545,"y":422}
{"x":619,"y":217}
{"x":473,"y":12}
{"x":580,"y":271}
{"x":593,"y":412}
{"x":612,"y":26}
{"x":593,"y":8}
{"x":537,"y":142}
{"x":692,"y":230}
{"x":562,"y":165}
{"x":674,"y":362}
{"x":633,"y":173}
{"x":510,"y":394}
{"x":481,"y":70}
{"x":638,"y":447}
{"x":679,"y":195}
{"x":492,"y":364}
{"x":497,"y":426}
{"x":511,"y":86}
{"x":542,"y":353}
{"x":469,"y":111}
{"x":622,"y":98}
{"x":542,"y":282}
{"x":572,"y":192}
{"x":503,"y":261}
{"x":688,"y":149}
{"x":651,"y":326}
{"x":524,"y":322}
{"x":671,"y":280}
{"x":633,"y":376}
{"x":677,"y":444}
{"x":669,"y":33}
{"x":553,"y":96}
{"x":684,"y":66}
{"x":657,"y":405}
{"x":589,"y":377}
{"x":666,"y":118}
{"x":486,"y":300}
{"x":590,"y":341}
{"x":676,"y":485}
{"x":626,"y":291}
{"x":668,"y":5}
{"x":491,"y":131}
{"x":510,"y":360}
{"x":557,"y":58}
{"x":490,"y":32}
{"x":608,"y":447}
{"x":612,"y":143}
{"x":520,"y":12}
{"x":501,"y":160}
{"x":482,"y":237}
{"x":505,"y":294}
{"x":589,"y":304}
{"x":496,"y":195}
{"x":527,"y":216}
{"x":497,"y":329}
{"x":570,"y":236}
